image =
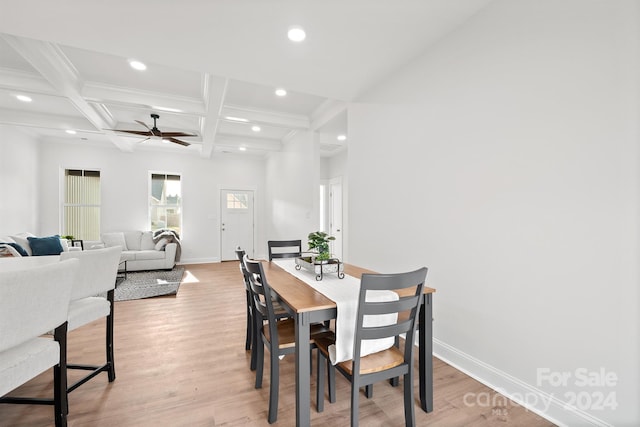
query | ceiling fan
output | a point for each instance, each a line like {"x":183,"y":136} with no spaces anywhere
{"x":155,"y":133}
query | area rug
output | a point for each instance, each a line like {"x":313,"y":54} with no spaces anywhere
{"x":147,"y":284}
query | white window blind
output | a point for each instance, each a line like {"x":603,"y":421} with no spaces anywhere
{"x":81,"y":212}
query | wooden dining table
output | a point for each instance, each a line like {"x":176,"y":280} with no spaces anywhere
{"x":308,"y":305}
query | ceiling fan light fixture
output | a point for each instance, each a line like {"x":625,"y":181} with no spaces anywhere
{"x":281,"y":92}
{"x":296,"y":34}
{"x":137,"y":65}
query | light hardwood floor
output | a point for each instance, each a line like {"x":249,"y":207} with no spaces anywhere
{"x":180,"y":361}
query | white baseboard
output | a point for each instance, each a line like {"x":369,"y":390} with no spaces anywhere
{"x":198,"y":261}
{"x":533,"y":399}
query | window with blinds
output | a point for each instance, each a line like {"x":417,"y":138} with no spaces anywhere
{"x":81,"y":209}
{"x":165,"y":202}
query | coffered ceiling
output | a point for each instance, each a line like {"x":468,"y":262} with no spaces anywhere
{"x":206,"y":62}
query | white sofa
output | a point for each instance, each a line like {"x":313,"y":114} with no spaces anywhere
{"x":24,"y":245}
{"x":140,"y":251}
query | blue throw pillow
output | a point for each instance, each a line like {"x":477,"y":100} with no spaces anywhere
{"x":45,"y":245}
{"x":17,"y":247}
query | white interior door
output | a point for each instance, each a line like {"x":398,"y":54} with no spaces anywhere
{"x":236,"y":223}
{"x":335,"y":220}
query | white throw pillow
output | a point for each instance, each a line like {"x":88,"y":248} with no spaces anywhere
{"x":65,"y":244}
{"x":22,"y":240}
{"x":161,"y":244}
{"x":146,"y":241}
{"x":114,"y":239}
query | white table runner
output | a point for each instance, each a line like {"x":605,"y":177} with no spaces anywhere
{"x":345,"y":293}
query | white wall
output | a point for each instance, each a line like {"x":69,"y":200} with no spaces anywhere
{"x":506,"y":160}
{"x":292,"y":182}
{"x":19,"y":171}
{"x":124,"y":181}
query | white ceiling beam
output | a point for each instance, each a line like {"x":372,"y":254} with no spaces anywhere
{"x":44,"y":120}
{"x":22,"y":82}
{"x":109,"y":94}
{"x":267,"y":118}
{"x":54,"y":66}
{"x":214,"y":91}
{"x":326,"y":112}
{"x":251,"y":144}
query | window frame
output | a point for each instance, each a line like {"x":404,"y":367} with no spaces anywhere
{"x":151,"y":206}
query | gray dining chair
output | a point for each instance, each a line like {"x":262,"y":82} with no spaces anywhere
{"x":284,"y":248}
{"x":277,"y":336}
{"x":33,"y":302}
{"x":386,"y":364}
{"x":252,"y":335}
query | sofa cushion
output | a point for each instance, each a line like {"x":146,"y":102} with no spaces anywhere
{"x":114,"y":239}
{"x":146,"y":241}
{"x":21,"y":239}
{"x":41,"y":246}
{"x":148,"y":255}
{"x":128,"y":255}
{"x":133,"y":239}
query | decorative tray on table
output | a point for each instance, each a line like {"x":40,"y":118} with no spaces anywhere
{"x":320,"y":267}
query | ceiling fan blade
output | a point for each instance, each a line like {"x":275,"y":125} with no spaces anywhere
{"x":135,"y":132}
{"x":143,"y":124}
{"x":174,"y":134}
{"x":177,"y":141}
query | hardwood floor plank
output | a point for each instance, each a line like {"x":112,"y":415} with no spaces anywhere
{"x":180,"y":361}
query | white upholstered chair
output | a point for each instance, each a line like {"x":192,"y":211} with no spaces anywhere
{"x":96,"y":275}
{"x":33,"y":302}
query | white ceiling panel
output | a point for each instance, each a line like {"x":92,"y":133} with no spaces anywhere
{"x":226,"y":59}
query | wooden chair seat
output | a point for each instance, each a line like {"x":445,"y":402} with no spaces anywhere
{"x":376,"y":362}
{"x":287,"y":333}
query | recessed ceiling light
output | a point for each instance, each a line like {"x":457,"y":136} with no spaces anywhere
{"x":296,"y":34}
{"x":71,"y":131}
{"x":236,"y":119}
{"x":166,"y":141}
{"x":137,"y":65}
{"x":281,"y":92}
{"x":341,"y":137}
{"x":255,"y":128}
{"x":23,"y":98}
{"x":242,"y":148}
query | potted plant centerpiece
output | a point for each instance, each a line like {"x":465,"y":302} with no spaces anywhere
{"x":320,"y":262}
{"x":319,"y":241}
